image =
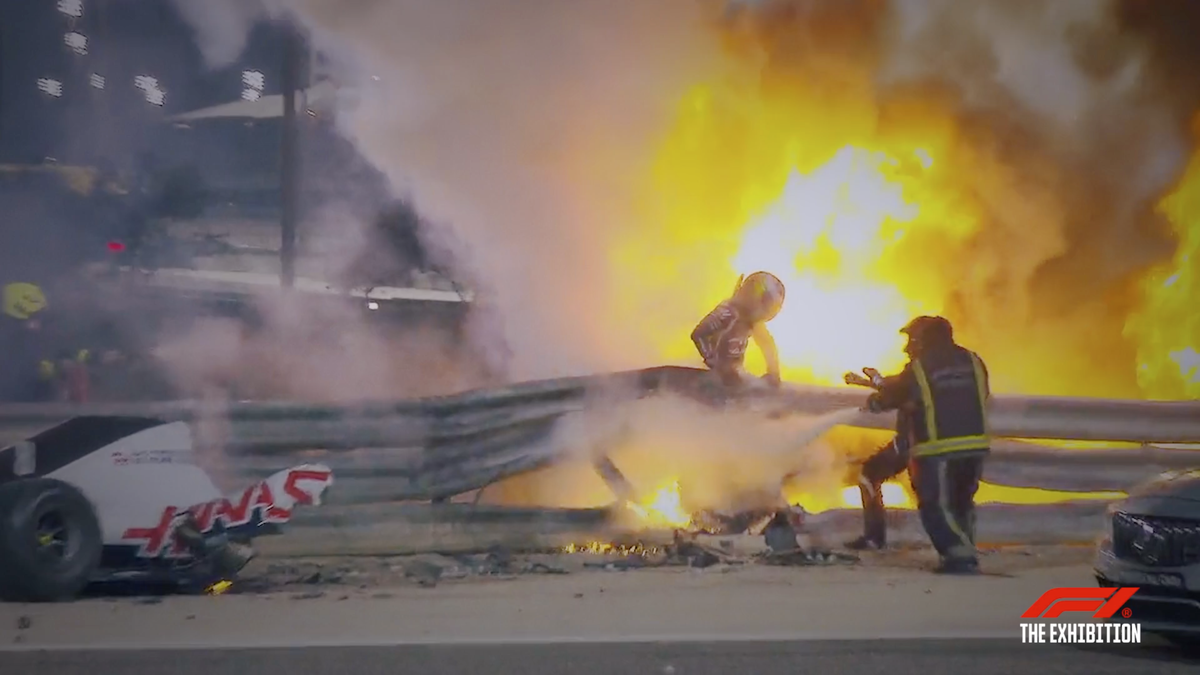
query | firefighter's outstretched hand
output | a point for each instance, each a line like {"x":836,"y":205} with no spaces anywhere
{"x":855,"y":379}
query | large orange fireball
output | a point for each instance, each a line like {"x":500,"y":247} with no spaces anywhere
{"x":872,"y":211}
{"x":1166,"y":328}
{"x":862,"y":209}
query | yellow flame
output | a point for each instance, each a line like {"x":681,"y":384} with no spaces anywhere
{"x":839,"y":216}
{"x":824,"y":238}
{"x":602,"y":547}
{"x":663,"y":508}
{"x":860,"y":207}
{"x":1166,"y":328}
{"x":894,"y":496}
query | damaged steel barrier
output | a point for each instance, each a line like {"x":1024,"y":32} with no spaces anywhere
{"x":434,"y":449}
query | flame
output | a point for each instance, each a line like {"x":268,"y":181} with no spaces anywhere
{"x":604,"y":547}
{"x":859,"y":206}
{"x":1166,"y":328}
{"x":663,"y":508}
{"x":838,"y":214}
{"x":894,"y":496}
{"x":897,"y":496}
{"x":826,"y":237}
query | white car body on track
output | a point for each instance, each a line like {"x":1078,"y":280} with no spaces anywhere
{"x":140,"y":478}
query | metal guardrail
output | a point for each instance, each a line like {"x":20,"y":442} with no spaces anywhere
{"x":433,"y":449}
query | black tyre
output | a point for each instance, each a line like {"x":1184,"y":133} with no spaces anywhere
{"x":50,"y":541}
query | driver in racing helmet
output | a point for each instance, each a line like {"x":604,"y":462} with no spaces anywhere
{"x":722,"y":336}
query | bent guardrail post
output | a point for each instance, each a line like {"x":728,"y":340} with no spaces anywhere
{"x":615,"y":480}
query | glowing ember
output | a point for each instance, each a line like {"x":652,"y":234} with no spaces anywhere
{"x":599,"y":547}
{"x":663,"y":508}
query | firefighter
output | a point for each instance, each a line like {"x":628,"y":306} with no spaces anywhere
{"x":22,"y":375}
{"x":722,"y":336}
{"x":941,"y":400}
{"x":31,"y":372}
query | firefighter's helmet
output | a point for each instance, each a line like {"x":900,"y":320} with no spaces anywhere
{"x":924,"y":331}
{"x":762,"y":294}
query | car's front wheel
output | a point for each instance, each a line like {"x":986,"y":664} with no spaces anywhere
{"x":50,"y":541}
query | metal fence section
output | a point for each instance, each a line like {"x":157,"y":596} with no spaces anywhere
{"x":434,"y":449}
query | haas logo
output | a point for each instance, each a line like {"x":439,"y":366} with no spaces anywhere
{"x":268,"y":502}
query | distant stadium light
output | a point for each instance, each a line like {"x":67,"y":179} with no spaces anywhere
{"x":78,"y":42}
{"x":71,"y":7}
{"x":253,"y":83}
{"x":96,"y":80}
{"x":50,"y":87}
{"x":253,"y":79}
{"x":149,"y":85}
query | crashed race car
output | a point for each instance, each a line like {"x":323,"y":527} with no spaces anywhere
{"x":121,"y":499}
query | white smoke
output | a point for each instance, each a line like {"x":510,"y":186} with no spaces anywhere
{"x":1065,"y":66}
{"x":520,"y":127}
{"x":222,"y":26}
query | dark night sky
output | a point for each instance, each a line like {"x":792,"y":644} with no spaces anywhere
{"x":126,"y":39}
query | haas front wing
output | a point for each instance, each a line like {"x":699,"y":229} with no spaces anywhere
{"x":160,"y":513}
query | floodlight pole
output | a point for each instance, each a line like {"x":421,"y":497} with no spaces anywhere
{"x":289,"y":160}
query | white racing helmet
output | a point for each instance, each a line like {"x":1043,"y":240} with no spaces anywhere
{"x":762,"y":293}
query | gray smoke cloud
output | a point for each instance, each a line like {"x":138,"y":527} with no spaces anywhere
{"x":222,"y":27}
{"x":520,"y":128}
{"x":1094,"y":127}
{"x":517,"y":127}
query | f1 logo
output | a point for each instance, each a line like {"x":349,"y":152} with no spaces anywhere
{"x":1058,"y":600}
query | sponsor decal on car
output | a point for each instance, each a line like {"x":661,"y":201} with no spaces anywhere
{"x":268,"y":502}
{"x":151,"y":457}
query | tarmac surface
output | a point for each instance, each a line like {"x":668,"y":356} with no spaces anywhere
{"x":890,"y":657}
{"x":887,"y":614}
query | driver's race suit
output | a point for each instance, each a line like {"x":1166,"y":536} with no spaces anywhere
{"x":721,"y":338}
